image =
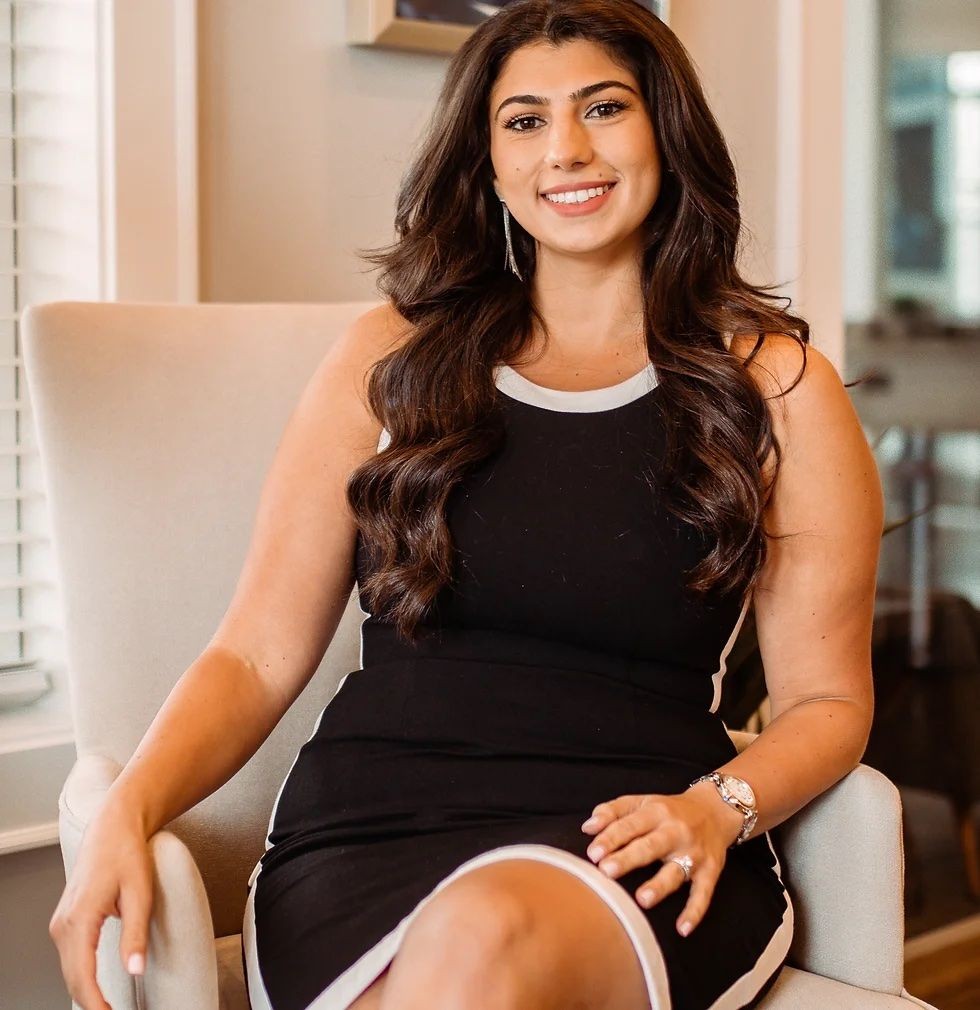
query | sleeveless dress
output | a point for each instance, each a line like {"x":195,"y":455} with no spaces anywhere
{"x":564,"y":667}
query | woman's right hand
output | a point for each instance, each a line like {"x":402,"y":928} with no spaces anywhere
{"x":113,"y":876}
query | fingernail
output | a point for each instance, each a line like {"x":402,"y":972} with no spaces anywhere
{"x":596,"y":852}
{"x":590,"y":823}
{"x":684,"y":928}
{"x":136,"y":964}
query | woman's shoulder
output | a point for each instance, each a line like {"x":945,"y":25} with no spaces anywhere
{"x":379,"y":331}
{"x":809,"y":406}
{"x":370,"y":337}
{"x":783,"y":366}
{"x":339,"y":385}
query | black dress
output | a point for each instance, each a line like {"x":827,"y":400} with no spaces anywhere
{"x":566,"y":667}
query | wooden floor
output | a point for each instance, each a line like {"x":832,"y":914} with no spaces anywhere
{"x":947,"y":976}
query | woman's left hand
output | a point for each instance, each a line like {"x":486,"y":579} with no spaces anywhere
{"x":634,"y":831}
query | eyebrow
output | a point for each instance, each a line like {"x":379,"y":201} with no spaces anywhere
{"x":575,"y":96}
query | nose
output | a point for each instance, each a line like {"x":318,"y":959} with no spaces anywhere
{"x":569,"y":143}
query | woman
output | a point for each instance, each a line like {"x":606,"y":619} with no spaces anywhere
{"x":525,"y":796}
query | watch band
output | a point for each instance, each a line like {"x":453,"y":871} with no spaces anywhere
{"x":749,"y":813}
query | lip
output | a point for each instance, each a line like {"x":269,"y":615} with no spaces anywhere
{"x":571,"y":187}
{"x":580,"y":209}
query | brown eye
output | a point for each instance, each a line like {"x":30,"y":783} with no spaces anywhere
{"x":511,"y":123}
{"x":616,"y":106}
{"x":613,"y":103}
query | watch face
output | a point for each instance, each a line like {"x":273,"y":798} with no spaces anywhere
{"x":741,"y":790}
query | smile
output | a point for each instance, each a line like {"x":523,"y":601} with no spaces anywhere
{"x":579,"y":202}
{"x":577,"y":196}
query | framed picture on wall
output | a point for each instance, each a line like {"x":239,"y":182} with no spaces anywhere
{"x":432,"y":26}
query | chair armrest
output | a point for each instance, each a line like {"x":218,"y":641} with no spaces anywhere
{"x":181,"y":968}
{"x":802,"y":990}
{"x":843,"y":862}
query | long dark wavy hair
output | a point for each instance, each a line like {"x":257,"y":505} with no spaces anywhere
{"x":445,"y":274}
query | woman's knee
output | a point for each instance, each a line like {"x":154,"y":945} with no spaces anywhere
{"x":478,"y":914}
{"x":535,"y":930}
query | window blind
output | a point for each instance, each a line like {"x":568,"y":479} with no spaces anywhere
{"x":50,"y":235}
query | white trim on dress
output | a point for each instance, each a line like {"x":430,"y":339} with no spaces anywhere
{"x":511,"y":382}
{"x":352,"y":982}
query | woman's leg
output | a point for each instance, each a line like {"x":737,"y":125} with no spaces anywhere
{"x":519,"y":933}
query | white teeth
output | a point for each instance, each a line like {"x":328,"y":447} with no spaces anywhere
{"x":578,"y":196}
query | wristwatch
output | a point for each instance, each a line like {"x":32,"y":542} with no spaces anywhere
{"x":736,"y":793}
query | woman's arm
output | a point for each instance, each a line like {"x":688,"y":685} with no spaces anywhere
{"x":814,"y":603}
{"x":289,"y":600}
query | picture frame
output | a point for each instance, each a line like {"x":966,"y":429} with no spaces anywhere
{"x":433,"y":26}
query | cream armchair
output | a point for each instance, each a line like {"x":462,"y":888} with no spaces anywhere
{"x":156,"y":425}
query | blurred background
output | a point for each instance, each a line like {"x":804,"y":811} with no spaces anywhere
{"x":916,"y":327}
{"x":237,"y":151}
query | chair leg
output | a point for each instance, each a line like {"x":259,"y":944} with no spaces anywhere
{"x":969,"y":846}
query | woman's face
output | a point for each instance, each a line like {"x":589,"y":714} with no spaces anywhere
{"x":548,"y":137}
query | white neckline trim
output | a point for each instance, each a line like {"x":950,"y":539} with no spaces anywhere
{"x":511,"y":382}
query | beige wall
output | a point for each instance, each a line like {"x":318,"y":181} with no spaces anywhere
{"x":740,"y":81}
{"x":303,"y":140}
{"x":773,"y":72}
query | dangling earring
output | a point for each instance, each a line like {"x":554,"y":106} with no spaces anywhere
{"x":509,"y":261}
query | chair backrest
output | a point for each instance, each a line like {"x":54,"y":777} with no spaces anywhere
{"x":156,"y":425}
